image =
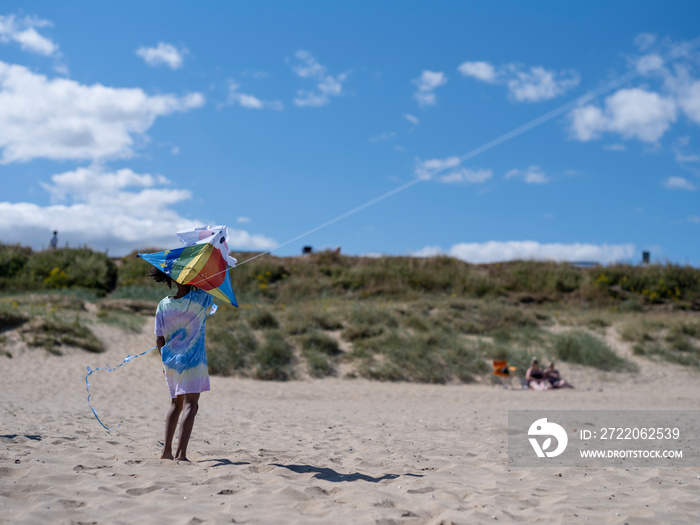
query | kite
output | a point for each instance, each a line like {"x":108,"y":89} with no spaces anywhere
{"x":203,"y":261}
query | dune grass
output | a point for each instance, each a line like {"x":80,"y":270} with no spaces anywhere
{"x":433,"y":320}
{"x":274,"y":358}
{"x":54,"y":333}
{"x":585,"y":349}
{"x":671,"y":339}
{"x":320,"y":351}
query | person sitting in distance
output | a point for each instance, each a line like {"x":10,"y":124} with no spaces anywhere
{"x":552,"y":375}
{"x":535,"y":377}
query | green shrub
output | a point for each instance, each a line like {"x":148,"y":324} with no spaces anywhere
{"x":652,"y":284}
{"x":687,"y":357}
{"x":318,"y":364}
{"x":679,"y":341}
{"x":11,"y":318}
{"x":318,"y":349}
{"x":54,"y":333}
{"x":584,"y":349}
{"x":426,"y":358}
{"x":320,"y":342}
{"x":358,"y":332}
{"x":133,"y":271}
{"x":689,"y":328}
{"x":263,"y":319}
{"x":493,"y":316}
{"x":635,"y":332}
{"x":72,"y":268}
{"x":274,"y":358}
{"x":13,"y":259}
{"x":464,"y":360}
{"x":371,"y":315}
{"x":231,"y":346}
{"x":303,"y":320}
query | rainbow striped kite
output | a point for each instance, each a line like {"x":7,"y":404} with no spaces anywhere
{"x":204,"y":263}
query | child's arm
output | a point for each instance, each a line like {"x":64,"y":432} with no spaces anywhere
{"x":160,"y":343}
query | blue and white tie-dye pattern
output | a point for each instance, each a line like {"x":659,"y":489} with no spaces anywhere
{"x":181,"y":322}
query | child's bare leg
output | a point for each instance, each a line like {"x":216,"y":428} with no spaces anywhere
{"x":170,"y":426}
{"x":191,"y":405}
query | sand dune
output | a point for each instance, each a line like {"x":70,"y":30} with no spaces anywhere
{"x":315,"y":451}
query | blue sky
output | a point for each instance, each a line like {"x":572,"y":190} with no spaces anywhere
{"x":122,"y":122}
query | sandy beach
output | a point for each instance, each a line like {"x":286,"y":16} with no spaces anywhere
{"x":314,"y":451}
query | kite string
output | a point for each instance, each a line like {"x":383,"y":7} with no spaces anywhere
{"x":673,"y":54}
{"x":109,"y":369}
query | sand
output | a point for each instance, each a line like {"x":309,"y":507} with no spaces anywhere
{"x":315,"y":451}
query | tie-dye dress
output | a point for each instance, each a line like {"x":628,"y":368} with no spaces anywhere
{"x":181,"y":322}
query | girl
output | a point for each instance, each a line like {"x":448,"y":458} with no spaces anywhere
{"x":179,"y":331}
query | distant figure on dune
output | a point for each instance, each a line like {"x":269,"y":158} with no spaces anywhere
{"x":54,"y":240}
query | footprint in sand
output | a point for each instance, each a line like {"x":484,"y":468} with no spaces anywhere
{"x":424,"y":490}
{"x":317,"y":491}
{"x":71,"y":504}
{"x":141,"y":491}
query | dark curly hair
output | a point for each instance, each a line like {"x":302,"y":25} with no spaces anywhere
{"x":159,"y":277}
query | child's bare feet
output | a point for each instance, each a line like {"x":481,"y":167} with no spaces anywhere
{"x":166,"y":455}
{"x":183,"y":458}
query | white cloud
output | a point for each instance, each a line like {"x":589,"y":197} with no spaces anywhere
{"x":644,"y":113}
{"x":531,"y":175}
{"x":479,"y":70}
{"x":251,"y":101}
{"x":524,"y":85}
{"x":694,"y":219}
{"x":644,"y":41}
{"x":120,"y":210}
{"x":495,"y":251}
{"x":632,"y":113}
{"x":164,"y":54}
{"x":689,"y":100}
{"x":63,"y":119}
{"x":413,"y":120}
{"x":426,"y":169}
{"x":427,"y":83}
{"x":428,"y":251}
{"x":467,"y":176}
{"x":648,"y":63}
{"x":308,"y":66}
{"x":540,"y":84}
{"x":678,"y":183}
{"x":243,"y":219}
{"x":431,"y":168}
{"x":23,"y":31}
{"x":326,"y":85}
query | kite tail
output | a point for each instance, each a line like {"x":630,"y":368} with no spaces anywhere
{"x":109,"y":369}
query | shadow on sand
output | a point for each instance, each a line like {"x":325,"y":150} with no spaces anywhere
{"x":33,"y":437}
{"x":328,"y":474}
{"x":223,"y":462}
